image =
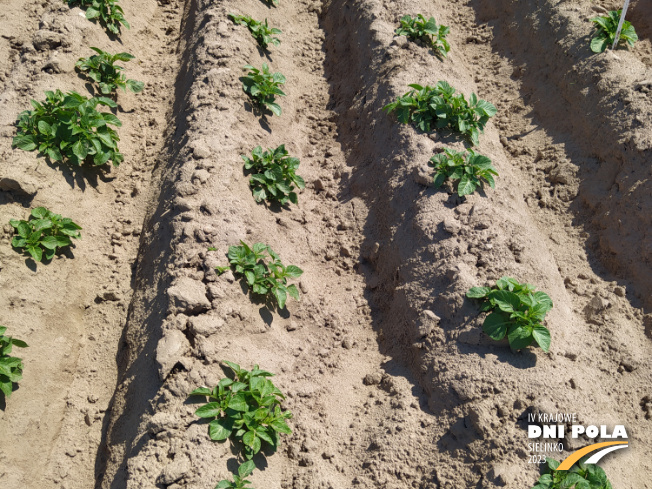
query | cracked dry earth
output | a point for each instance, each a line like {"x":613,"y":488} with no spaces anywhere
{"x":391,"y":382}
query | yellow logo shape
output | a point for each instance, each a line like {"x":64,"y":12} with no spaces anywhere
{"x":604,"y":448}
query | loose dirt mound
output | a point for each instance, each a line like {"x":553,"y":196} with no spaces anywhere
{"x":391,"y":381}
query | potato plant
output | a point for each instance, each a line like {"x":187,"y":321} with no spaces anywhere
{"x":70,"y":128}
{"x":109,"y":14}
{"x":264,"y":276}
{"x":470,"y":168}
{"x":516,"y":311}
{"x":44,"y":233}
{"x":606,"y":28}
{"x":260,"y":31}
{"x":11,"y":368}
{"x":418,"y":28}
{"x":245,"y":408}
{"x":101,"y":68}
{"x":263,"y":87}
{"x":438,"y":107}
{"x":273,"y":175}
{"x":580,"y":476}
{"x":240,"y":479}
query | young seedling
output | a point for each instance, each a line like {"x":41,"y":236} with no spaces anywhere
{"x":44,"y":233}
{"x":107,"y":12}
{"x":471,"y":169}
{"x":68,"y":127}
{"x":245,"y":408}
{"x":606,"y":28}
{"x":101,"y":69}
{"x":274,"y":175}
{"x":239,"y":480}
{"x":11,"y":368}
{"x":516,"y":311}
{"x":428,"y":31}
{"x":263,"y":87}
{"x":263,"y":276}
{"x":259,"y":30}
{"x":430,"y":108}
{"x":580,"y":476}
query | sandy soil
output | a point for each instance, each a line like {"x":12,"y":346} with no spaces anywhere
{"x":391,"y":381}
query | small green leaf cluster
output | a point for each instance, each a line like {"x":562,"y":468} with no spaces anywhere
{"x":44,"y":233}
{"x":69,"y":127}
{"x":260,"y":31}
{"x":274,"y":175}
{"x":263,"y":87}
{"x":606,"y":28}
{"x":101,"y":69}
{"x":580,"y":476}
{"x":517,"y":312}
{"x":470,"y":168}
{"x":240,"y":480}
{"x":107,"y":12}
{"x":246,"y":408}
{"x":263,"y":276}
{"x":438,"y":107}
{"x":11,"y":368}
{"x":427,"y":31}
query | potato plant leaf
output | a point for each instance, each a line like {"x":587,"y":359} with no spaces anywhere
{"x":605,"y":32}
{"x":11,"y":368}
{"x":261,"y":32}
{"x":109,"y":14}
{"x":68,"y":127}
{"x":43,"y":233}
{"x":516,"y":312}
{"x":580,"y":476}
{"x":431,"y":108}
{"x":264,"y":272}
{"x":108,"y":76}
{"x":273,"y":176}
{"x":263,"y":87}
{"x":471,"y":169}
{"x":246,"y":408}
{"x":418,"y":28}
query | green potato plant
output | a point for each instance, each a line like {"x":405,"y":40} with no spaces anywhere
{"x":44,"y":233}
{"x":245,"y":408}
{"x":516,"y":311}
{"x":101,"y":68}
{"x":260,"y":31}
{"x":605,"y":32}
{"x":263,"y":276}
{"x":430,"y":108}
{"x":11,"y":368}
{"x":580,"y":476}
{"x":68,"y":127}
{"x":240,"y":479}
{"x":273,"y":175}
{"x":109,"y":14}
{"x":263,"y":87}
{"x":470,"y":168}
{"x":427,"y":31}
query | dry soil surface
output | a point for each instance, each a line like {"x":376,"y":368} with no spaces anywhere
{"x":391,"y":382}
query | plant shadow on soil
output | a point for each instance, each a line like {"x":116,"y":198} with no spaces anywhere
{"x":261,"y":114}
{"x":268,"y":307}
{"x":83,"y":175}
{"x":33,"y":265}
